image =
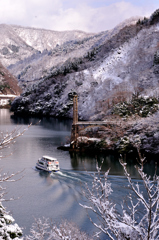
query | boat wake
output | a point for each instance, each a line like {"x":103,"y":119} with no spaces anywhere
{"x":66,"y":174}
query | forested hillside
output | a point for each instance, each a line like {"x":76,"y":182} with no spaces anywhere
{"x":114,"y":73}
{"x":103,"y":69}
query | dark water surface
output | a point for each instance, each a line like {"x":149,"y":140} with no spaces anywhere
{"x":55,"y":195}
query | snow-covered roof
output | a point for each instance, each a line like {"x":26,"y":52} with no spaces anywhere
{"x":8,"y":95}
{"x":50,"y":158}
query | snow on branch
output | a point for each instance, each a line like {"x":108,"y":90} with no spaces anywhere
{"x":127,"y":224}
{"x":8,"y":138}
{"x":8,"y":229}
{"x":123,"y":225}
{"x":45,"y":229}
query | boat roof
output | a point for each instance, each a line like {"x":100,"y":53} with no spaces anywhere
{"x":50,"y":158}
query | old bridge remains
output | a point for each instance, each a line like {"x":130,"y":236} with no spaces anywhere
{"x":77,"y":126}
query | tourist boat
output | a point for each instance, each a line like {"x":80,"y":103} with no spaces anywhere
{"x":48,"y":164}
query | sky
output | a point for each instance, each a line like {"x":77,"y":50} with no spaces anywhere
{"x":85,"y":15}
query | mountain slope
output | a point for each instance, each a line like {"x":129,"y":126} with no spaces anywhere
{"x":12,"y":47}
{"x":8,"y":83}
{"x":31,"y":54}
{"x":41,"y":39}
{"x":114,"y":65}
{"x":103,"y":70}
{"x":18,"y":43}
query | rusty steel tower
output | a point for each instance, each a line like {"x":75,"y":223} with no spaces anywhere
{"x":74,"y":133}
{"x":75,"y":109}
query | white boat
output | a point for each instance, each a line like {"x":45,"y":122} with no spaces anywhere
{"x":48,"y":164}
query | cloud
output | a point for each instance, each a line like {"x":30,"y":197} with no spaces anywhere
{"x":88,"y":15}
{"x":90,"y":19}
{"x":25,"y":12}
{"x":10,"y":12}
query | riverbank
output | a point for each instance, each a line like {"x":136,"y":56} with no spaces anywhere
{"x":122,"y":136}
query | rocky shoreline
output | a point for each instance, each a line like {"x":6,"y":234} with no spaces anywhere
{"x":124,"y":137}
{"x":129,"y":126}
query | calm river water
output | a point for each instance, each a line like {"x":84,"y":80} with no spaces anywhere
{"x":57,"y":195}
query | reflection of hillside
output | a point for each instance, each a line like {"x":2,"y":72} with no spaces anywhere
{"x":83,"y":161}
{"x":4,"y":116}
{"x":46,"y":122}
{"x":24,"y":119}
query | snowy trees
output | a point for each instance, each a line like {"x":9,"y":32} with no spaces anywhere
{"x":44,"y":229}
{"x":8,"y":229}
{"x":127,"y":223}
{"x":147,"y":226}
{"x":8,"y":138}
{"x":142,"y":106}
{"x":136,"y":218}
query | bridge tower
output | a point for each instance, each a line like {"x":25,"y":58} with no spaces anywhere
{"x":74,"y":133}
{"x":75,"y":109}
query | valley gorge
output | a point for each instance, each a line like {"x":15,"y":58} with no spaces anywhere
{"x":104,"y":69}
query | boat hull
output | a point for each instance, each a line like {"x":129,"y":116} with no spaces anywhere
{"x":45,"y":169}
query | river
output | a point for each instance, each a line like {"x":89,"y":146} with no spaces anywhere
{"x":57,"y":195}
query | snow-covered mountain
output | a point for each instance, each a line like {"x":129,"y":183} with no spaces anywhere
{"x":102,"y":68}
{"x":12,"y":47}
{"x":31,"y":53}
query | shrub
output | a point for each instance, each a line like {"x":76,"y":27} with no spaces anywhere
{"x":142,"y":106}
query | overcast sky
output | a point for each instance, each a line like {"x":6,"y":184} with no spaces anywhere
{"x":86,"y":15}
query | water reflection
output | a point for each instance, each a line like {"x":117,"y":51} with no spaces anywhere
{"x":46,"y":122}
{"x":49,"y":133}
{"x":41,"y":191}
{"x":5,"y":116}
{"x":85,"y":161}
